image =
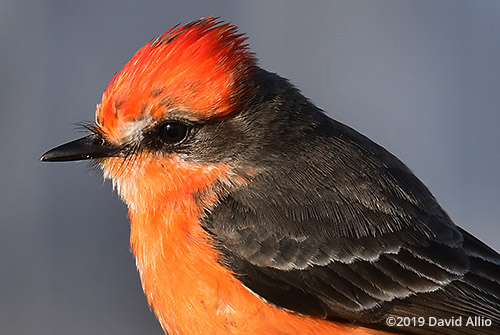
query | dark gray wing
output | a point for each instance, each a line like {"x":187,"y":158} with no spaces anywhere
{"x":337,"y":227}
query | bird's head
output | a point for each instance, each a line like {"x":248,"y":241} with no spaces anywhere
{"x":170,"y":121}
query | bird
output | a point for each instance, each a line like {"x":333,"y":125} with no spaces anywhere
{"x":253,"y":212}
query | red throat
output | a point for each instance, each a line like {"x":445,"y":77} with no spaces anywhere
{"x":200,"y":69}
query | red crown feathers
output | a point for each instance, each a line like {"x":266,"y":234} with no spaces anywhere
{"x":199,"y":69}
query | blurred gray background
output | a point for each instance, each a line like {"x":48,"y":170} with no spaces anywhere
{"x":422,"y":78}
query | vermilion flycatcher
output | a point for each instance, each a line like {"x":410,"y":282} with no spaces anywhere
{"x":252,"y":212}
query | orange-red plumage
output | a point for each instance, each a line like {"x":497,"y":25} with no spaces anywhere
{"x":200,"y":70}
{"x":182,"y":277}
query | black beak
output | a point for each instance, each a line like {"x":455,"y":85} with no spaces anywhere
{"x":88,"y":147}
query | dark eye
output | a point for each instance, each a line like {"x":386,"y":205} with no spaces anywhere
{"x":173,"y":132}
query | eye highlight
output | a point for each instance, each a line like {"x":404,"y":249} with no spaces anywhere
{"x":173,"y":133}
